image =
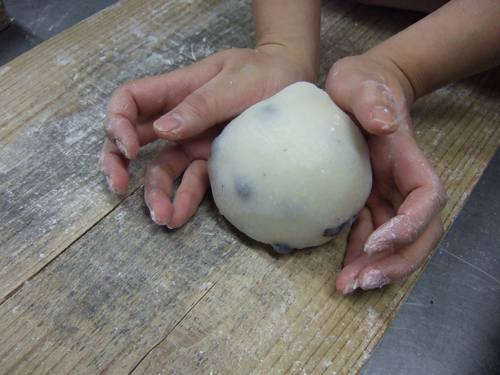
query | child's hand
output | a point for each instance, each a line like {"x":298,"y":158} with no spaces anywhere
{"x":188,"y":157}
{"x":180,"y":106}
{"x":400,"y":224}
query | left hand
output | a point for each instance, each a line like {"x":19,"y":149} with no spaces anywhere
{"x":400,"y":224}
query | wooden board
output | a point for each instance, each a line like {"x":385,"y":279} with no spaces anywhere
{"x":89,"y":284}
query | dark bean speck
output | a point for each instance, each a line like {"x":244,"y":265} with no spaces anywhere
{"x":269,"y":111}
{"x":331,"y":232}
{"x":243,"y":187}
{"x":282,"y":248}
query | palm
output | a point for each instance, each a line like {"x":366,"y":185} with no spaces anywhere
{"x":400,"y":224}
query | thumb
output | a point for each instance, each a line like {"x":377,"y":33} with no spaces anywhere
{"x":217,"y":101}
{"x":370,"y":100}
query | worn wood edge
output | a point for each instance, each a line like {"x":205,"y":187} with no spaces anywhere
{"x":26,"y":101}
{"x":75,"y":105}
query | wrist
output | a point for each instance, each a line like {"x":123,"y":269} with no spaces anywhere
{"x":385,"y":63}
{"x":455,"y":41}
{"x":290,"y":29}
{"x":306,"y":64}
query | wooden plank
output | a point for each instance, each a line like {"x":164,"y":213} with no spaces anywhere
{"x":113,"y":295}
{"x":82,"y":65}
{"x":51,"y":193}
{"x":90,"y":284}
{"x":52,"y":109}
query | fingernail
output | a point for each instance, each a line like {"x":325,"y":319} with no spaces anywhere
{"x":109,"y":182}
{"x":112,"y":186}
{"x":384,"y":238}
{"x":385,"y":116}
{"x":155,"y":219}
{"x":377,"y":247}
{"x":153,"y":216}
{"x":351,"y":286}
{"x":372,"y":248}
{"x":169,"y":123}
{"x":123,"y":149}
{"x":373,"y":279}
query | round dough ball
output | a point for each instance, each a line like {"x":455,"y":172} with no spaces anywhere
{"x":291,"y":171}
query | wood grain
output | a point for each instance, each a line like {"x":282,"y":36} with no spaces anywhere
{"x":89,"y":284}
{"x":53,"y":104}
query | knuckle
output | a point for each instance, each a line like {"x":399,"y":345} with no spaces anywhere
{"x":197,"y":172}
{"x":122,"y":91}
{"x":440,"y":195}
{"x":190,"y":195}
{"x":339,"y":77}
{"x":200,"y":103}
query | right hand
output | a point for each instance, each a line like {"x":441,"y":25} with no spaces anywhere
{"x":183,"y":106}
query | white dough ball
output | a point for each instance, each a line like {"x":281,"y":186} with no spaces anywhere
{"x":292,"y":170}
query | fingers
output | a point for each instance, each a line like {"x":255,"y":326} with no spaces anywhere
{"x":114,"y":167}
{"x":127,"y":124}
{"x":132,"y":111}
{"x":424,"y":195}
{"x":136,"y":105}
{"x":399,"y":266}
{"x":375,"y":271}
{"x":418,"y":211}
{"x":192,"y":189}
{"x":165,"y":168}
{"x":360,"y":231}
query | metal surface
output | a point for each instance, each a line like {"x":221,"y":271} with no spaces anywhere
{"x":38,"y":20}
{"x":450,"y":322}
